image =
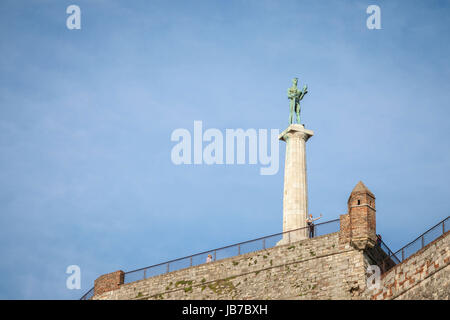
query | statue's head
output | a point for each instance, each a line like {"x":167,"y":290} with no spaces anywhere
{"x":295,"y":81}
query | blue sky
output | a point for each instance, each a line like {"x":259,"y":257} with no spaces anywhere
{"x":86,"y":117}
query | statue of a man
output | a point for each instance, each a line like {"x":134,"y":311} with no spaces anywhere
{"x":295,"y":96}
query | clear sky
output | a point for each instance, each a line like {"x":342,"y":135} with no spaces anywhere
{"x":86,"y":116}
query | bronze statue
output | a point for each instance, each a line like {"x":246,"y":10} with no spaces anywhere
{"x":295,"y":96}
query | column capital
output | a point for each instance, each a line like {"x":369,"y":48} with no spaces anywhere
{"x":296,"y":130}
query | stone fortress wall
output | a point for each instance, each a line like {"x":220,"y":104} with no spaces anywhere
{"x":332,"y":266}
{"x":424,"y":275}
{"x":319,"y":268}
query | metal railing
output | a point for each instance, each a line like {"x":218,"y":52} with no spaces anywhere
{"x":88,"y":295}
{"x":421,"y":241}
{"x":226,"y":252}
{"x":229,"y":251}
{"x":389,"y":252}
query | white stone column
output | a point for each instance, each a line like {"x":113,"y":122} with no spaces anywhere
{"x":295,"y":197}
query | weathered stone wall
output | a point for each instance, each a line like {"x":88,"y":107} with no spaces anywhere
{"x":318,"y":268}
{"x":424,"y":275}
{"x":332,"y":266}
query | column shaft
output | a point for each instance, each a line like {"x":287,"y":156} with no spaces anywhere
{"x":295,"y":197}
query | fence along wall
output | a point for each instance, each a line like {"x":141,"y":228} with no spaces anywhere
{"x":420,"y":242}
{"x":318,"y":268}
{"x":226,"y":252}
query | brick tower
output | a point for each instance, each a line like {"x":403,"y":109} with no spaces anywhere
{"x":358,"y":226}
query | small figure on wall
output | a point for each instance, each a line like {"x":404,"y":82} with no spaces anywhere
{"x":310,"y":223}
{"x":379,"y":240}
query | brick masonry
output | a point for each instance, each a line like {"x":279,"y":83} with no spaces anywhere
{"x":424,"y":275}
{"x":359,"y":225}
{"x":108,"y":282}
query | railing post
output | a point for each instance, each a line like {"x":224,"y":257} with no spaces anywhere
{"x":443,"y":227}
{"x":167,"y":268}
{"x":239,"y":249}
{"x":264,"y":243}
{"x":145,"y":274}
{"x":403,"y":254}
{"x":215,"y":255}
{"x":190,"y":261}
{"x":423,"y":242}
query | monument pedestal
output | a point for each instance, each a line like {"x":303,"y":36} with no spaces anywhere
{"x":295,"y":197}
